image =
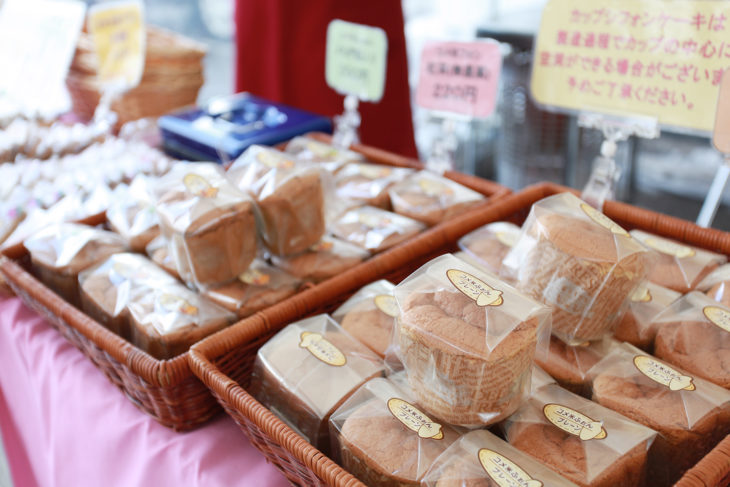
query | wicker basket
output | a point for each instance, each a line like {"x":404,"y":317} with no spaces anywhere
{"x":172,"y":77}
{"x":223,"y":361}
{"x":167,"y":389}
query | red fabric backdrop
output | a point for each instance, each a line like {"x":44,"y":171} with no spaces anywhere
{"x":281,"y":53}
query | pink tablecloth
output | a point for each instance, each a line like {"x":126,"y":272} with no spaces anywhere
{"x":64,"y":423}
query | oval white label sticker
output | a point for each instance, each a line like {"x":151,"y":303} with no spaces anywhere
{"x":574,"y":422}
{"x":273,"y":160}
{"x":641,"y":295}
{"x":197,"y":185}
{"x":670,"y":248}
{"x":413,"y":419}
{"x":504,"y":471}
{"x":663,"y":374}
{"x":322,"y":349}
{"x":508,"y":239}
{"x":254,"y":277}
{"x":718,"y":315}
{"x":433,"y":187}
{"x":387,"y":304}
{"x":603,"y":220}
{"x":474,"y":288}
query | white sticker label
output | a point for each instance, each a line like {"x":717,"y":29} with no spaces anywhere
{"x":603,"y":220}
{"x":663,"y":374}
{"x":641,"y":295}
{"x":719,"y":316}
{"x":504,"y":471}
{"x":387,"y":304}
{"x":474,"y":288}
{"x":322,"y":349}
{"x":574,"y":422}
{"x":670,"y":248}
{"x":413,"y":419}
{"x":199,"y":186}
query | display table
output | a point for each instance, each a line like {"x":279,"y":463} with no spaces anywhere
{"x":63,"y":423}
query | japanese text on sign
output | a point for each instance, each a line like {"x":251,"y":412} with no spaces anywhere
{"x":660,"y":58}
{"x":356,"y":59}
{"x":459,"y":77}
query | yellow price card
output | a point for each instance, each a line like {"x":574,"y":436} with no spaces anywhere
{"x":656,"y":58}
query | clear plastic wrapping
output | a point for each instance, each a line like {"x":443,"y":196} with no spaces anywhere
{"x":383,"y":438}
{"x":589,"y":444}
{"x":691,"y":415}
{"x":694,"y":333}
{"x":430,"y":198}
{"x":539,"y":379}
{"x":576,"y":260}
{"x":375,"y":229}
{"x":261,"y":286}
{"x":167,"y":319}
{"x":717,"y":285}
{"x":60,"y":252}
{"x":210,"y":225}
{"x":637,"y":326}
{"x":332,"y":158}
{"x":133,"y":215}
{"x":368,"y":184}
{"x":291,"y":197}
{"x":678,"y":266}
{"x":158,"y":250}
{"x":490,"y":244}
{"x":480,"y":459}
{"x":307,"y":370}
{"x":107,"y":288}
{"x":369,"y":315}
{"x":327,"y":258}
{"x":467,"y":341}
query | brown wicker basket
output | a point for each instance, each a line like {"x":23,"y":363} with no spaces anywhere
{"x":167,"y":389}
{"x":172,"y":77}
{"x":223,"y":361}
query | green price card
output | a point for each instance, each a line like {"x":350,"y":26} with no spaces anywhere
{"x":356,"y":59}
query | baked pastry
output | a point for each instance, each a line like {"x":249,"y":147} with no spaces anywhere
{"x":690,"y":414}
{"x":367,"y":184}
{"x":694,"y":333}
{"x":678,"y":266}
{"x":60,"y":252}
{"x":369,"y":315}
{"x":209,"y":223}
{"x":134,"y":216}
{"x":374,"y":229}
{"x":490,"y":244}
{"x":637,"y":326}
{"x":569,"y":364}
{"x":717,"y":285}
{"x":261,"y":286}
{"x":587,"y":443}
{"x":290,"y":198}
{"x":158,"y":250}
{"x":383,"y":437}
{"x":330,"y":157}
{"x":430,"y":198}
{"x":108,"y":287}
{"x":480,"y":459}
{"x":576,"y":260}
{"x":467,"y":341}
{"x":168,"y":319}
{"x":327,"y":258}
{"x":307,"y":370}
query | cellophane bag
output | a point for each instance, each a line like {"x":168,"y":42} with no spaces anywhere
{"x":430,"y":198}
{"x":584,"y":441}
{"x":678,"y":266}
{"x":259,"y":287}
{"x":717,"y":285}
{"x":108,"y":287}
{"x":490,"y":244}
{"x":169,"y":318}
{"x":637,"y":326}
{"x":467,"y":341}
{"x":690,"y":414}
{"x":134,"y":216}
{"x":481,"y":459}
{"x":307,"y":370}
{"x":292,"y":197}
{"x":209,"y":224}
{"x":158,"y":250}
{"x":694,"y":333}
{"x":582,"y":264}
{"x":369,"y":315}
{"x":374,"y":229}
{"x":539,"y":379}
{"x":383,"y":437}
{"x":330,"y":157}
{"x":327,"y":258}
{"x":367,"y":183}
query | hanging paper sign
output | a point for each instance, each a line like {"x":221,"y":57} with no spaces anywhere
{"x":721,"y":135}
{"x":356,"y":59}
{"x":117,"y":30}
{"x":460,"y":77}
{"x":658,"y":58}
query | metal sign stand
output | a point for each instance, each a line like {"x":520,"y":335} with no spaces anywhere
{"x":347,"y":125}
{"x":714,"y":195}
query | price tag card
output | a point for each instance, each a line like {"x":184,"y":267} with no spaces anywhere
{"x":721,"y":135}
{"x":37,"y":42}
{"x":659,"y":58}
{"x":118,"y":33}
{"x":460,"y":77}
{"x":356,"y":59}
